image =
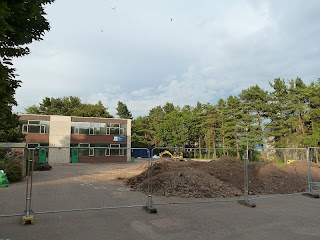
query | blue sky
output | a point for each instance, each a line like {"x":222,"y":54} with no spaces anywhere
{"x":136,"y":54}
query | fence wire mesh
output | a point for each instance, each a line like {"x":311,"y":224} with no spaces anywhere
{"x":196,"y":175}
{"x":277,"y":171}
{"x":13,"y":197}
{"x":94,"y":180}
{"x":313,"y":169}
{"x":85,"y":178}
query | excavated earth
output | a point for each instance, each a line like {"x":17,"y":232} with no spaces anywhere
{"x":224,"y":178}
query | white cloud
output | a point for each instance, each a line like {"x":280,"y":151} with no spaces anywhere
{"x":137,"y":55}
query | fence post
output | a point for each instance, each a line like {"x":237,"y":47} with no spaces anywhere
{"x":310,"y":193}
{"x":246,"y":201}
{"x":149,"y":208}
{"x":28,"y":218}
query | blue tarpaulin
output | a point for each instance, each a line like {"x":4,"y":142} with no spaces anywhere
{"x":143,"y":153}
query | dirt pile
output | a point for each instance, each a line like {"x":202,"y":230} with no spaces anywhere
{"x":223,"y":178}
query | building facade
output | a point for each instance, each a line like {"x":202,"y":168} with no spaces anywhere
{"x":65,"y":139}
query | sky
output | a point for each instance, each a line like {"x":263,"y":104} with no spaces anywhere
{"x":149,"y":52}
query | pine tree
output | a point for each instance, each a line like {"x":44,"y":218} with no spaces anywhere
{"x":123,"y":112}
{"x":255,"y":102}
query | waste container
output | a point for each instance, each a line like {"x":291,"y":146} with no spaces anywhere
{"x":3,"y":179}
{"x":132,"y":159}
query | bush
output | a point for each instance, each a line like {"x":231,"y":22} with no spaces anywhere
{"x":13,"y":170}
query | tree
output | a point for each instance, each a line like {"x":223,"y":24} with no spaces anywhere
{"x":168,"y":108}
{"x":123,"y":112}
{"x":156,"y":117}
{"x":256,"y":104}
{"x":172,"y":130}
{"x":140,"y":132}
{"x":21,"y":22}
{"x":234,"y":110}
{"x":278,"y":115}
{"x":211,"y":124}
{"x":69,"y":106}
{"x":313,"y":122}
{"x":222,"y":110}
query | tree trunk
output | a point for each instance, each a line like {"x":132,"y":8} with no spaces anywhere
{"x":301,"y":124}
{"x":207,"y":148}
{"x":200,"y":154}
{"x":285,"y":157}
{"x":214,"y":146}
{"x":262,"y":148}
{"x":236,"y":138}
{"x":224,"y":152}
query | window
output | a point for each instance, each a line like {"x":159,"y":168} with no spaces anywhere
{"x":35,"y":126}
{"x":34,"y":122}
{"x":121,"y":131}
{"x":33,"y":145}
{"x":84,"y":130}
{"x":90,"y":128}
{"x":33,"y":129}
{"x":24,"y":128}
{"x":84,"y":145}
{"x":91,"y":152}
{"x":107,"y":152}
{"x":114,"y":149}
{"x":100,"y":149}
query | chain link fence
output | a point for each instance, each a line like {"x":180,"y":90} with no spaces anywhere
{"x":197,"y":175}
{"x":85,"y":178}
{"x":313,"y":173}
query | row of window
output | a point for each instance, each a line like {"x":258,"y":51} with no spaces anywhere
{"x":87,"y":128}
{"x":100,"y":150}
{"x":92,"y":150}
{"x":98,"y":128}
{"x":34,"y":126}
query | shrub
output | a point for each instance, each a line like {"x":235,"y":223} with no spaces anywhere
{"x":13,"y":170}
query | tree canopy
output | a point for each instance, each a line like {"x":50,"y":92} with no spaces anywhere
{"x":21,"y":22}
{"x":69,"y":106}
{"x":287,"y":116}
{"x":123,"y":111}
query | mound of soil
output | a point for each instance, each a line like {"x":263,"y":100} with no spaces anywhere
{"x":224,"y":178}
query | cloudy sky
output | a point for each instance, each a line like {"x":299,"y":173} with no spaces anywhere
{"x":131,"y":51}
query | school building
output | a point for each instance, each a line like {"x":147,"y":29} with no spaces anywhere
{"x":65,"y":139}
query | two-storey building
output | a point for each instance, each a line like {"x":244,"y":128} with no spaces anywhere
{"x":64,"y":139}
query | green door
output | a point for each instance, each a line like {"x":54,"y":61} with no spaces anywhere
{"x":42,"y":155}
{"x":75,"y":155}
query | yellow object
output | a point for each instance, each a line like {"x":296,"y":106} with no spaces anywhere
{"x":27,"y":220}
{"x":291,"y":161}
{"x":171,"y":155}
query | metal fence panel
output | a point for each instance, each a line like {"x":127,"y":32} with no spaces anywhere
{"x":277,"y":171}
{"x":313,"y":166}
{"x":13,"y":197}
{"x":180,"y":172}
{"x":75,"y":186}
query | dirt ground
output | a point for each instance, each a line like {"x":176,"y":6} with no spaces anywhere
{"x":223,"y":178}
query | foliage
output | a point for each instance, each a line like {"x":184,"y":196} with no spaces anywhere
{"x":123,"y":112}
{"x":13,"y":169}
{"x":21,"y":22}
{"x":69,"y":106}
{"x":287,"y":116}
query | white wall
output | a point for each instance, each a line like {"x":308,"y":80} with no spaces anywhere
{"x":60,"y":132}
{"x":128,"y":140}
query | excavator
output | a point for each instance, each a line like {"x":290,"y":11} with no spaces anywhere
{"x":172,"y":157}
